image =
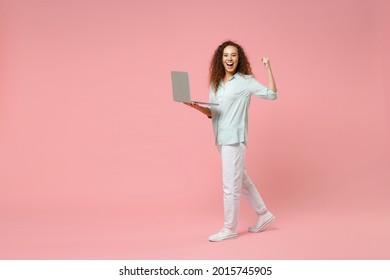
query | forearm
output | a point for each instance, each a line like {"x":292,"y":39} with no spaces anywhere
{"x":271,"y":80}
{"x":205,"y":111}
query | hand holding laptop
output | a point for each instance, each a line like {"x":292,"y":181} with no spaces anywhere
{"x":205,"y":110}
{"x":192,"y":104}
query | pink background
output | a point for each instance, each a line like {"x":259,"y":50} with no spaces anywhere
{"x":98,"y":162}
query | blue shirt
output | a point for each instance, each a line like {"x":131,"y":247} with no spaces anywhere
{"x":230,"y":117}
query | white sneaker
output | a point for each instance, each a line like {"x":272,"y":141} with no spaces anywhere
{"x":262,"y":221}
{"x":224,"y":234}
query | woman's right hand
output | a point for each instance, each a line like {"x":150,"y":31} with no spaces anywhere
{"x":201,"y":109}
{"x":192,"y":105}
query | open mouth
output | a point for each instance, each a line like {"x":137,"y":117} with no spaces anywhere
{"x":230,"y":64}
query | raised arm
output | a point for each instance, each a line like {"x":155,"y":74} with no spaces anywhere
{"x":271,"y":80}
{"x":204,"y":110}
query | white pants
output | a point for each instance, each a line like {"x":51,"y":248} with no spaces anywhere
{"x":235,"y":180}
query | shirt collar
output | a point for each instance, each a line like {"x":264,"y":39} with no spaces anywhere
{"x":235,"y":76}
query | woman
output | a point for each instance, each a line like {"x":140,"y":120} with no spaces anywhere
{"x":231,"y":86}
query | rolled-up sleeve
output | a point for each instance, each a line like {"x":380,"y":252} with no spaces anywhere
{"x":269,"y":94}
{"x":260,"y":90}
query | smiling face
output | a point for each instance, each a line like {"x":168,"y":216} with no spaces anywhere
{"x":230,"y":59}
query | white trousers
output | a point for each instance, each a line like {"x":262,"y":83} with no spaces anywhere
{"x":235,"y":180}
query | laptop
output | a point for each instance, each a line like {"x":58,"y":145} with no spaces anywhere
{"x":181,"y":88}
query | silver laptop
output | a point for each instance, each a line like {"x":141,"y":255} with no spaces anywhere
{"x":181,"y":88}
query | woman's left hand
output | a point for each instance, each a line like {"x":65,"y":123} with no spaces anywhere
{"x":266,"y":62}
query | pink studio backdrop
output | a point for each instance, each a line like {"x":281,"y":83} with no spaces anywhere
{"x":98,"y":162}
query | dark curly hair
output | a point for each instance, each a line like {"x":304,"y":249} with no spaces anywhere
{"x":217,"y":70}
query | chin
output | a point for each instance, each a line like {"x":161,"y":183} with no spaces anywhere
{"x":231,"y":70}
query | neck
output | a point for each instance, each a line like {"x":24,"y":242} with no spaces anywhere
{"x":228,"y":76}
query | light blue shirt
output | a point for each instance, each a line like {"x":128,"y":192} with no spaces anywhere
{"x":230,"y":117}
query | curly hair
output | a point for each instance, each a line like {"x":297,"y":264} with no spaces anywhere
{"x":217,"y":70}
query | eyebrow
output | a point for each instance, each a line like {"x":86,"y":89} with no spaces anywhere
{"x":231,"y":53}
